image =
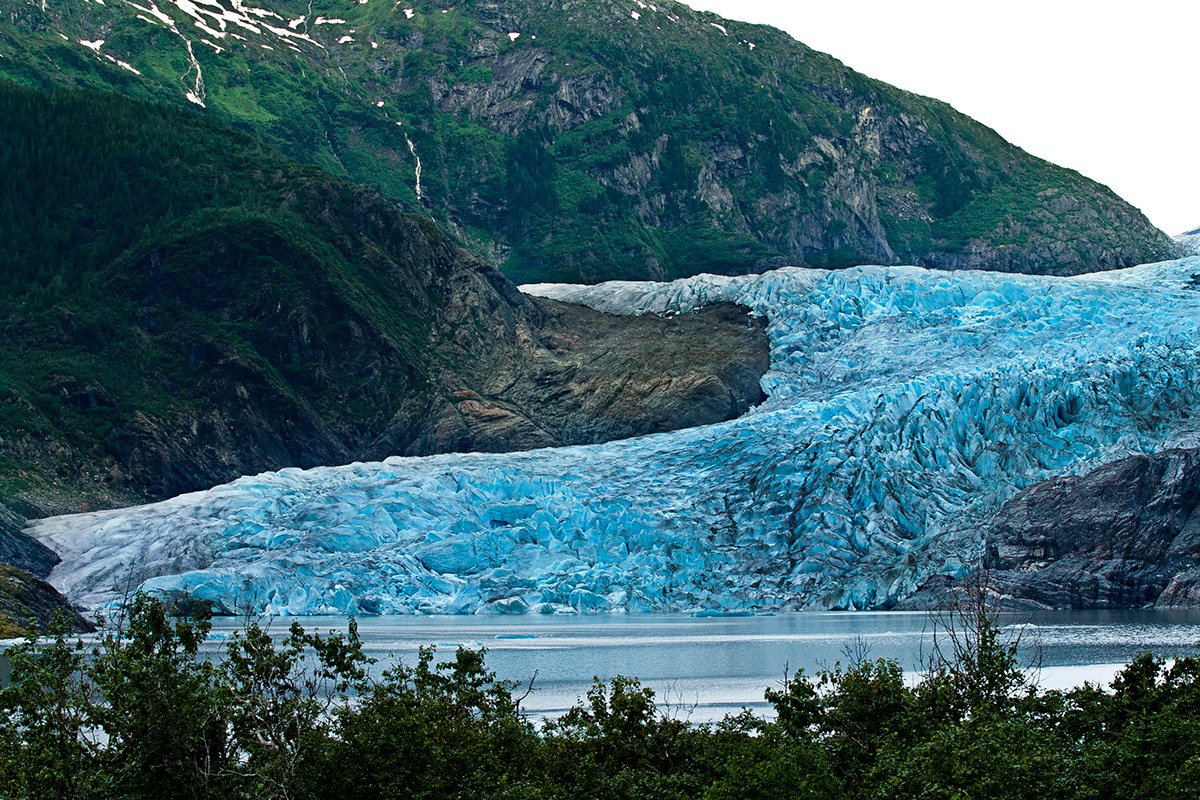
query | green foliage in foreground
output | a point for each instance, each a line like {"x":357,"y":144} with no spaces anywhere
{"x":143,"y":713}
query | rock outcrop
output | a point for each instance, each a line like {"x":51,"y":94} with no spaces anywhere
{"x":1125,"y":535}
{"x":19,"y":550}
{"x":27,"y":602}
{"x":546,"y":374}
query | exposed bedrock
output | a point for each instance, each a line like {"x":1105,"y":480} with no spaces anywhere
{"x":558,"y":374}
{"x":1125,"y":535}
{"x":26,"y":600}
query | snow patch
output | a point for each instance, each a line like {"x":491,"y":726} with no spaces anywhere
{"x":721,"y":28}
{"x":93,"y":46}
{"x":408,"y":12}
{"x":635,"y":15}
{"x":324,"y":21}
{"x":216,"y":34}
{"x":512,"y":37}
{"x":417,"y":171}
{"x":155,"y":12}
{"x":196,"y":94}
{"x":215,"y":20}
{"x":345,"y":40}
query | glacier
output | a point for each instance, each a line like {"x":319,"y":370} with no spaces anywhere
{"x":904,"y":406}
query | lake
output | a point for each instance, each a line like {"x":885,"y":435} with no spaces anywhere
{"x":704,"y":668}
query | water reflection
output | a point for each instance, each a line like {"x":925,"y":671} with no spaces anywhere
{"x":707,"y":667}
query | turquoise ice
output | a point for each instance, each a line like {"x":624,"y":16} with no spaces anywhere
{"x":904,"y":406}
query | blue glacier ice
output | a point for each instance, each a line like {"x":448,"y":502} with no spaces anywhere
{"x":903,"y":407}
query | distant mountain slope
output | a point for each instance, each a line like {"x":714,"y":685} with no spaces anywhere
{"x":588,"y":139}
{"x":181,"y":305}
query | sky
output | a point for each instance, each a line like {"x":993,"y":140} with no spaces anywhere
{"x":1105,"y":88}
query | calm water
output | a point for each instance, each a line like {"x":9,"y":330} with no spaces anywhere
{"x":707,"y":667}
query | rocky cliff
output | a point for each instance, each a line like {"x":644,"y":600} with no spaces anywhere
{"x":578,"y":140}
{"x":1125,"y":535}
{"x":27,"y":602}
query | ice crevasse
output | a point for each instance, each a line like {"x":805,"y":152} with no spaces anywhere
{"x":904,"y":406}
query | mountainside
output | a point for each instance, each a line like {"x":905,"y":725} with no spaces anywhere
{"x":577,"y":140}
{"x":181,"y":305}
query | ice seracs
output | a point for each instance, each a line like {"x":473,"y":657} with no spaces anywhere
{"x":903,"y":407}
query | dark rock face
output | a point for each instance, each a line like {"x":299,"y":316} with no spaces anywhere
{"x":1126,"y":535}
{"x":489,"y":369}
{"x":19,"y":550}
{"x":538,"y":373}
{"x":28,"y":603}
{"x":26,"y":600}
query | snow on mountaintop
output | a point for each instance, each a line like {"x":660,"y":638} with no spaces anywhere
{"x":904,"y":407}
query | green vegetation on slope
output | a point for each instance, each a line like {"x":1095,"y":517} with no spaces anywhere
{"x":172,"y":286}
{"x":140,"y":716}
{"x":606,"y":141}
{"x":182,"y":305}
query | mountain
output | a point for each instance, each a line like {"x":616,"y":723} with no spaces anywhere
{"x":181,"y":305}
{"x":906,"y":409}
{"x":578,"y":140}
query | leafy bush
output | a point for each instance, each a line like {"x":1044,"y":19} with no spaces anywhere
{"x":149,"y":711}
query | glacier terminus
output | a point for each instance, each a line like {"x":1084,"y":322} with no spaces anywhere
{"x":904,"y":406}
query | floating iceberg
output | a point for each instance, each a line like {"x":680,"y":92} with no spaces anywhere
{"x":904,"y":406}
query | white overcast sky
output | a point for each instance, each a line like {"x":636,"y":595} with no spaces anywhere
{"x":1105,"y":88}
